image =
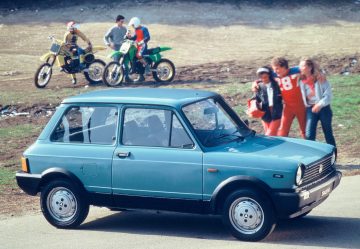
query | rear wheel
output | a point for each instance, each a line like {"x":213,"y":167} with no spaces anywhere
{"x":113,"y":74}
{"x":95,"y":70}
{"x":249,"y":215}
{"x":63,"y":204}
{"x":165,"y":71}
{"x":43,"y":75}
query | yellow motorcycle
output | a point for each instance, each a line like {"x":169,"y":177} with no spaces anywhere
{"x":67,"y":58}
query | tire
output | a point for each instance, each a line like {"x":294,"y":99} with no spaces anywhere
{"x":95,"y":76}
{"x":40,"y":79}
{"x":60,"y":198}
{"x":249,"y":215}
{"x":171,"y":71}
{"x":107,"y":73}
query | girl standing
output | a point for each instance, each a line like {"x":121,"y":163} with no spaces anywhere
{"x":270,"y":101}
{"x":317,"y":98}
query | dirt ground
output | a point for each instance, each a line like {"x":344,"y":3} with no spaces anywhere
{"x":198,"y":32}
{"x":213,"y":43}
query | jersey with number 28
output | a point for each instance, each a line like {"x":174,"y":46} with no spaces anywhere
{"x":290,"y":90}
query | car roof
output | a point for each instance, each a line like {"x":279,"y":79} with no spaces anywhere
{"x":151,"y":96}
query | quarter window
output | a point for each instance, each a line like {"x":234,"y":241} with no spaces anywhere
{"x":155,"y":128}
{"x":88,"y":125}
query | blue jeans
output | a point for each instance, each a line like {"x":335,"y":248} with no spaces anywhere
{"x":116,"y":48}
{"x":325,"y":117}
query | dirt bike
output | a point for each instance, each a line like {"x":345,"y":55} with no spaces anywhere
{"x":69,"y":58}
{"x":163,"y":70}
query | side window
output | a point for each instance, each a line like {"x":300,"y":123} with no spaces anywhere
{"x":179,"y":137}
{"x":88,"y":125}
{"x":153,"y":127}
{"x":146,"y":127}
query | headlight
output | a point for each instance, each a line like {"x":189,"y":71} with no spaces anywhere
{"x":299,"y":175}
{"x":333,"y":158}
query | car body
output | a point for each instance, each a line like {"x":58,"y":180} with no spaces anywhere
{"x":176,"y":150}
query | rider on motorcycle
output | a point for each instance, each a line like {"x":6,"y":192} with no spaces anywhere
{"x":70,"y":39}
{"x":141,"y":37}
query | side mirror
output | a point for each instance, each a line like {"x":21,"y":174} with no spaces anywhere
{"x":246,"y":122}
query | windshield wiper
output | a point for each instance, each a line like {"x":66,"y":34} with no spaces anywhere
{"x":225,"y":135}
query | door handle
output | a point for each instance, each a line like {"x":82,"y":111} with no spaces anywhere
{"x":123,"y":154}
{"x":212,"y":170}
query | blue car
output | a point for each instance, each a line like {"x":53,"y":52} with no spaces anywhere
{"x":175,"y":150}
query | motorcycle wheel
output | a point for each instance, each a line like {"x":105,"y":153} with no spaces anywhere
{"x":43,"y":75}
{"x":95,"y":70}
{"x":165,"y":71}
{"x":113,"y":74}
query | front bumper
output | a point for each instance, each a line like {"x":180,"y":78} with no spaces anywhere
{"x":290,"y":205}
{"x":28,"y":182}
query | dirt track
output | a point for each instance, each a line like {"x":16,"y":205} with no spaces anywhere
{"x":200,"y":33}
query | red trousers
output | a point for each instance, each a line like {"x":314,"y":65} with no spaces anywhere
{"x":289,"y":113}
{"x":271,"y":128}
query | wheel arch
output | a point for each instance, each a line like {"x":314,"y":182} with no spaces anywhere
{"x":52,"y":174}
{"x":231,"y":184}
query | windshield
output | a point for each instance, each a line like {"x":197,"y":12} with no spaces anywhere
{"x":214,"y":125}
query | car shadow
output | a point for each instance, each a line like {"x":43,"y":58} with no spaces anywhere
{"x":308,"y":231}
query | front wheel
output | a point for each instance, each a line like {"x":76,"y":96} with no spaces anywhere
{"x":43,"y":75}
{"x":164,"y":71}
{"x":63,"y":204}
{"x":94,"y":71}
{"x":113,"y":74}
{"x":249,"y":215}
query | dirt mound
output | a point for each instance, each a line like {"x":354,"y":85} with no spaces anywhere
{"x":246,"y":72}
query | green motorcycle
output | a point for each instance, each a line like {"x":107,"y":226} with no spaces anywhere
{"x":162,"y":70}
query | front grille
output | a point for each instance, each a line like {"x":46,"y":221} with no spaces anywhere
{"x":312,"y":172}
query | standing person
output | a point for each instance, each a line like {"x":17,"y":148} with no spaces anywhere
{"x":270,"y":100}
{"x":317,"y":98}
{"x":115,"y":35}
{"x":292,"y":96}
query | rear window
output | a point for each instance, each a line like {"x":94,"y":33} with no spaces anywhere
{"x":87,"y":125}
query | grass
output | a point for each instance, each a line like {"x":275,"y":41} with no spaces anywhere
{"x":19,"y":131}
{"x":31,"y":95}
{"x":7,"y":178}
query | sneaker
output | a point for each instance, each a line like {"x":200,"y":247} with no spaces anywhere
{"x":73,"y":81}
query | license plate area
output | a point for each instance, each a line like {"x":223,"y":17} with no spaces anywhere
{"x":326,"y":191}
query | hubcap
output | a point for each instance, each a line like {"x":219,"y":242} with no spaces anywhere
{"x":96,"y":71}
{"x":164,"y":71}
{"x":62,"y":204}
{"x":246,"y":215}
{"x":113,"y":74}
{"x":44,"y":75}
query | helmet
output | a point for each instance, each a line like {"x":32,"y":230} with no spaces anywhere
{"x":71,"y":26}
{"x":135,"y":21}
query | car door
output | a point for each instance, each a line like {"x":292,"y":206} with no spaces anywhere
{"x":156,"y":157}
{"x":83,"y":143}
